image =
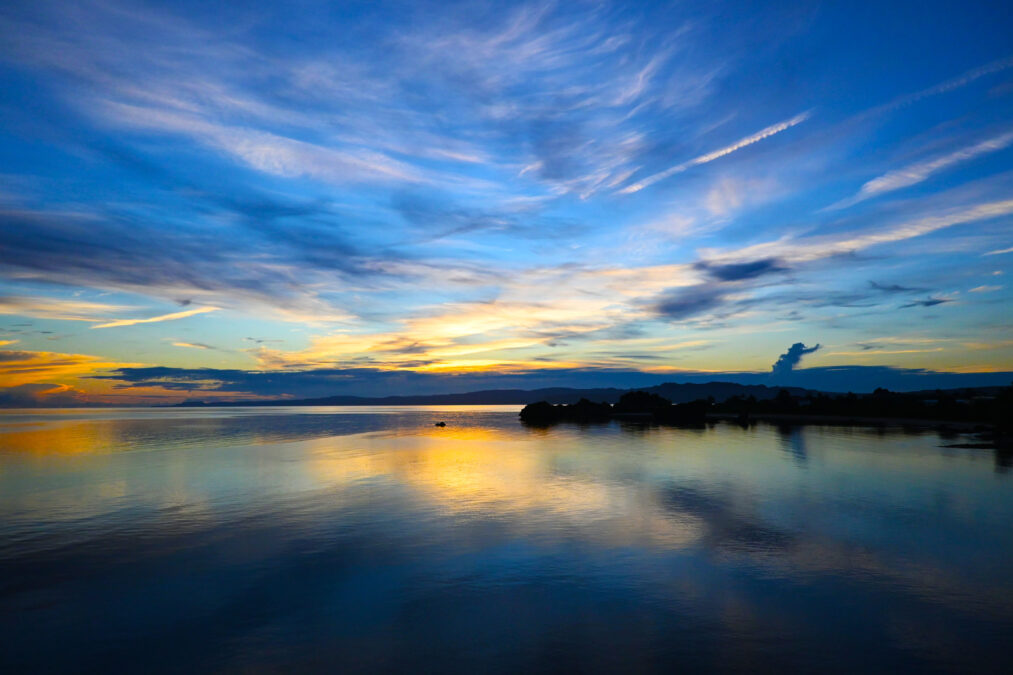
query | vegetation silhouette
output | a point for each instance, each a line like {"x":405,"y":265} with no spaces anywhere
{"x":991,"y":409}
{"x":631,"y":405}
{"x":544,"y":413}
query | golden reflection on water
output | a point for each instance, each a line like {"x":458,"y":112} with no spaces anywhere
{"x":506,"y":475}
{"x":59,"y":438}
{"x":611,"y":491}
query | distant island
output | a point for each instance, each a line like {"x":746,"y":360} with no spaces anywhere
{"x":987,"y":410}
{"x":638,"y":405}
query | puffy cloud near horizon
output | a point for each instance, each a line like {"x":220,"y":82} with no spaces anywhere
{"x":786,"y":362}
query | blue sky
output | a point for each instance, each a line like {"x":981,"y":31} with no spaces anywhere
{"x":267,"y":200}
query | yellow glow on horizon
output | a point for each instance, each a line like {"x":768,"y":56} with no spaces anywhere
{"x":480,"y":365}
{"x":28,"y":367}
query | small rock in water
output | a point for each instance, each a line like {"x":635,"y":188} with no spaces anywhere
{"x":441,"y":424}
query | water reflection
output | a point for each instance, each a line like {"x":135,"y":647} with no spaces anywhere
{"x":793,"y":442}
{"x":1003,"y":459}
{"x":112,"y":430}
{"x":338,"y":539}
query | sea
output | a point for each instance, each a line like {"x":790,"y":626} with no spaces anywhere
{"x":354,"y":539}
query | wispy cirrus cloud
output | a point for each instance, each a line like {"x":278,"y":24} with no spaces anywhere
{"x":1000,"y":251}
{"x":155,"y":319}
{"x":806,"y":249}
{"x":56,"y":308}
{"x":962,"y":80}
{"x":913,"y":174}
{"x":552,"y":88}
{"x":270,"y":152}
{"x":192,"y":345}
{"x":716,"y":154}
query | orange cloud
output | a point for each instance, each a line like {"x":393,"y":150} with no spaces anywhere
{"x":18,"y":367}
{"x":31,"y":378}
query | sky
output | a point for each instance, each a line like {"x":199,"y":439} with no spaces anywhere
{"x":263,"y":200}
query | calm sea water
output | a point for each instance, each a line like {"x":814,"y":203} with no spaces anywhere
{"x":351,"y":539}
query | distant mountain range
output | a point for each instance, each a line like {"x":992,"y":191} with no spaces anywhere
{"x":673,"y":391}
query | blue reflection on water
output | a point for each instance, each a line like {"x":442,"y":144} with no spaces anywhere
{"x":339,"y":539}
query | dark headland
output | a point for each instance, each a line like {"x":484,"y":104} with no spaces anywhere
{"x":988,"y":411}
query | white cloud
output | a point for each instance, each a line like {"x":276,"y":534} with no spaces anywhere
{"x":56,"y":308}
{"x":815,"y":248}
{"x":920,"y":171}
{"x":192,"y":345}
{"x":269,"y":152}
{"x":717,"y":154}
{"x":155,"y":319}
{"x":957,"y":82}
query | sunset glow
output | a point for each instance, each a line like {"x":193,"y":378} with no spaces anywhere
{"x":247,"y":203}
